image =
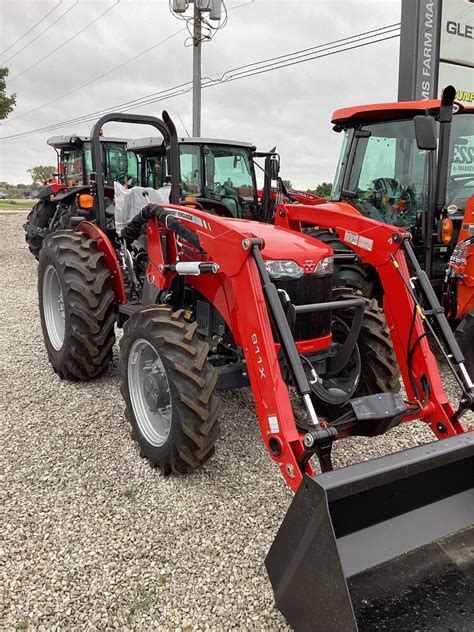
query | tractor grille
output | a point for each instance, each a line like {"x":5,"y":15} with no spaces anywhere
{"x":307,"y":290}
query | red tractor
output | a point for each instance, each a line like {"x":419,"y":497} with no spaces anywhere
{"x":58,"y":198}
{"x":209,"y":301}
{"x":412,"y":165}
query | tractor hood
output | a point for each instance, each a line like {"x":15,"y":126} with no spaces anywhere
{"x":338,"y":206}
{"x":285,"y":244}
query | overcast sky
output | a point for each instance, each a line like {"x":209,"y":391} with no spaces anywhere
{"x":290,"y":108}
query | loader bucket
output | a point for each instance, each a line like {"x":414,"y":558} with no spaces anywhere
{"x":358,"y":523}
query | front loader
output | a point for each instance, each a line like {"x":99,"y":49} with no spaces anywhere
{"x":411,"y":164}
{"x":206,"y":303}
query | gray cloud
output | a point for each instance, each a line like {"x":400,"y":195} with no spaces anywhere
{"x":290,"y":108}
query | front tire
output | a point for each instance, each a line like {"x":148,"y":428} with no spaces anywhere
{"x":77,"y":305}
{"x":38,"y":219}
{"x":168,"y":387}
{"x":379,"y":371}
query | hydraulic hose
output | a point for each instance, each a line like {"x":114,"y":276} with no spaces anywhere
{"x":166,"y":217}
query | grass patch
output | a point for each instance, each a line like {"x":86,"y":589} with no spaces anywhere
{"x":162,"y":579}
{"x":142,"y":602}
{"x":16,"y":204}
{"x":128,"y":493}
{"x":24,"y":624}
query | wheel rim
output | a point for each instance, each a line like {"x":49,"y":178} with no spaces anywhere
{"x":149,"y":392}
{"x":338,"y":389}
{"x":53,"y":307}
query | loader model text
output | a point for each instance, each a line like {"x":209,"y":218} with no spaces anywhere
{"x":256,"y":349}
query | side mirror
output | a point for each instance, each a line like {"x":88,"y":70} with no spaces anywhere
{"x":425,"y":132}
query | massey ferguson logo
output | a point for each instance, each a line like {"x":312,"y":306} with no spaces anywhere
{"x":256,"y":349}
{"x":308,"y":266}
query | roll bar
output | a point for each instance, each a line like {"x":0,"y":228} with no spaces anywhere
{"x":166,"y":128}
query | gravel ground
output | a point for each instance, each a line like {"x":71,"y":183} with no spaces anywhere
{"x":93,"y":537}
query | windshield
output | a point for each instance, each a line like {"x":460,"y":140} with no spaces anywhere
{"x":71,"y":160}
{"x":122,"y":166}
{"x":190,"y":167}
{"x":389,"y":172}
{"x":229,"y":178}
{"x":153,"y":171}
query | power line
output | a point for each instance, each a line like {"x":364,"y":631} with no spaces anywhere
{"x":183,"y":88}
{"x":32,"y":28}
{"x":252,"y":69}
{"x":68,"y":41}
{"x":259,"y":71}
{"x":105,"y":74}
{"x":384,"y":30}
{"x":294,"y":63}
{"x":148,"y":99}
{"x":42,"y":32}
{"x":102,"y":76}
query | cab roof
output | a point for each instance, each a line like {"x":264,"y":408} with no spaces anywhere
{"x":150,"y":144}
{"x":65,"y":141}
{"x":376,"y":112}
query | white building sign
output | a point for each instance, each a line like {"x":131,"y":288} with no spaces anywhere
{"x":436,"y":49}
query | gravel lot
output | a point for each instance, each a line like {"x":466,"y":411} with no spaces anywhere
{"x":93,"y":537}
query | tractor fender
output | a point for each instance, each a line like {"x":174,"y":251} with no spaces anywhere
{"x":111,"y":261}
{"x":48,"y":191}
{"x":69,"y":195}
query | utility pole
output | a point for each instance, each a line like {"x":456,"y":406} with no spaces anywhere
{"x":212,"y":11}
{"x":197,"y":72}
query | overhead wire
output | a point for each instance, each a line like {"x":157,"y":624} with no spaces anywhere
{"x":327,"y":45}
{"x":42,"y":32}
{"x":105,"y":74}
{"x":68,"y":41}
{"x":267,"y":68}
{"x":31,"y":28}
{"x":101,"y":76}
{"x":248,"y":70}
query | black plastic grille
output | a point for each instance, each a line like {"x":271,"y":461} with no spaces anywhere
{"x":306,"y":290}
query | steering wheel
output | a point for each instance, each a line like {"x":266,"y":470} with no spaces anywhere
{"x":391,"y":187}
{"x":130,"y":179}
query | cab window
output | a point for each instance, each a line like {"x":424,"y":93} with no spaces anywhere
{"x":389,"y":173}
{"x":229,"y":178}
{"x":72,"y":166}
{"x":189,"y":162}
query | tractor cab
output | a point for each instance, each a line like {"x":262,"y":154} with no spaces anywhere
{"x":74,"y":158}
{"x":217,"y":175}
{"x":386,"y":176}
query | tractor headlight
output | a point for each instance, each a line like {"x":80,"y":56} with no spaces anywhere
{"x":283,"y":269}
{"x":325,"y":267}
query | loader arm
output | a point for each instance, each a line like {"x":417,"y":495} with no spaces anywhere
{"x":236,"y":291}
{"x":382,"y":246}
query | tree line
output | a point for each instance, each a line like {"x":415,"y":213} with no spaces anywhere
{"x":322,"y":190}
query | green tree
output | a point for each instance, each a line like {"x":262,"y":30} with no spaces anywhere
{"x":42,"y":172}
{"x":6,"y":103}
{"x":287,"y":184}
{"x":323,"y":189}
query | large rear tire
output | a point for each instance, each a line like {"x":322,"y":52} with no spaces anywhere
{"x":77,"y":305}
{"x":379,"y":371}
{"x":464,"y":334}
{"x":38,"y":219}
{"x":168,"y":386}
{"x":345,"y":274}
